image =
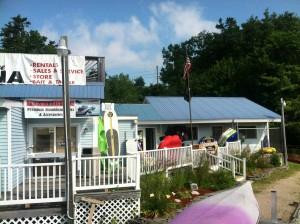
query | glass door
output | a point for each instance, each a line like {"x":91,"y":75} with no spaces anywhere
{"x":43,"y":140}
{"x":60,"y":140}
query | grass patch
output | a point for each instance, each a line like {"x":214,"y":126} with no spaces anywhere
{"x":276,"y":175}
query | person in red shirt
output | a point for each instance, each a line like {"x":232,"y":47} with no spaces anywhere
{"x":170,"y":141}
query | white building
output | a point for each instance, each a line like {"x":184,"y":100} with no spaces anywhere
{"x":211,"y":116}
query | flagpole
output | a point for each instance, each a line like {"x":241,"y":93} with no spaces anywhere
{"x":186,"y":77}
{"x":190,"y":109}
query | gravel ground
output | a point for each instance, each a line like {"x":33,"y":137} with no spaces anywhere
{"x":288,"y":192}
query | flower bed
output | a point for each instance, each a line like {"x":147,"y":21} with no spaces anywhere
{"x":161,"y":196}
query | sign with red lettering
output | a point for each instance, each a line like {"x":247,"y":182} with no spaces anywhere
{"x":40,"y":69}
{"x":47,"y":109}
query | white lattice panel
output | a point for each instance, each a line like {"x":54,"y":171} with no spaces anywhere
{"x":53,"y":219}
{"x":118,"y":211}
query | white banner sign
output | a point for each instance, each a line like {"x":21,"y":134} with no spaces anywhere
{"x":47,"y":109}
{"x":40,"y":69}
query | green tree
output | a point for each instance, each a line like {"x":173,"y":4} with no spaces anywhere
{"x":139,"y":82}
{"x":120,"y":89}
{"x":259,"y":59}
{"x":16,"y":38}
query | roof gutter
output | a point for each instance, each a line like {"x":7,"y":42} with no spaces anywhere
{"x":210,"y":121}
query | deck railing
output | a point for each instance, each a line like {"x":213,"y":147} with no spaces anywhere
{"x":224,"y":161}
{"x":231,"y":148}
{"x":234,"y":148}
{"x":165,"y":159}
{"x":198,"y":156}
{"x":107,"y":172}
{"x":238,"y":165}
{"x":45,"y":182}
{"x":32,"y":183}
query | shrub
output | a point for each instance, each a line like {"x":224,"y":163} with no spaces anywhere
{"x":257,"y":160}
{"x":219,"y":180}
{"x":181,"y":178}
{"x":154,"y":188}
{"x":263,"y":162}
{"x":275,"y":160}
{"x":202,"y":173}
{"x":184,"y":194}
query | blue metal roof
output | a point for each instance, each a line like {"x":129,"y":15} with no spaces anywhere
{"x":144,"y":112}
{"x":203,"y":108}
{"x":93,"y":90}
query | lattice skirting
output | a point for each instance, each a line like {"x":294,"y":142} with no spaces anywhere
{"x":53,"y":219}
{"x":112,"y":211}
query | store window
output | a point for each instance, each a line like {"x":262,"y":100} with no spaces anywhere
{"x":52,"y":140}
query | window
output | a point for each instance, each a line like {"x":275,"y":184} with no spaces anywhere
{"x":217,"y":132}
{"x":248,"y":132}
{"x":184,"y":131}
{"x":52,"y":139}
{"x":188,"y":132}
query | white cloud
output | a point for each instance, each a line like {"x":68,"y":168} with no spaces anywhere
{"x":185,"y":20}
{"x":132,"y":46}
{"x":49,"y":31}
{"x":131,"y":32}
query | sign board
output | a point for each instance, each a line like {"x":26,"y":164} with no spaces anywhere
{"x":39,"y":69}
{"x":87,"y":108}
{"x":47,"y":109}
{"x":54,"y":108}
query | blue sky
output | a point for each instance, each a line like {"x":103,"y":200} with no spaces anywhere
{"x":131,"y":34}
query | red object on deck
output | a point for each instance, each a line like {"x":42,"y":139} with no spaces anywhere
{"x":170,"y":141}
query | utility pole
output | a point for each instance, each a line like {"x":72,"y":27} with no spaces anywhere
{"x":63,"y":52}
{"x":283,"y":104}
{"x":157,"y":76}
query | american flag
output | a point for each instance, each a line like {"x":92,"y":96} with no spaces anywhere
{"x":187,"y":68}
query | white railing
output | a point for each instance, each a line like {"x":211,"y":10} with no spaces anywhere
{"x":231,"y":148}
{"x":223,"y":150}
{"x":31,"y":183}
{"x":234,"y":148}
{"x":107,"y":172}
{"x":165,"y":159}
{"x":216,"y":162}
{"x":198,"y":156}
{"x":225,"y":161}
{"x":238,"y":165}
{"x":45,"y":182}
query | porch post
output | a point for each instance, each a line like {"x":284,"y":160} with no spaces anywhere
{"x":138,"y":171}
{"x":268,"y":134}
{"x":233,"y":168}
{"x":9,"y":150}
